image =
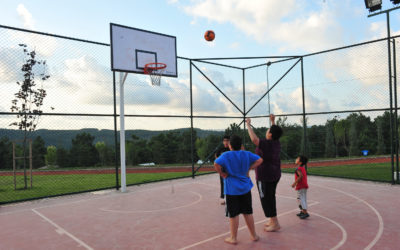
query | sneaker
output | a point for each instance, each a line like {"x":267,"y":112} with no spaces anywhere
{"x":303,"y":216}
{"x":300,"y":214}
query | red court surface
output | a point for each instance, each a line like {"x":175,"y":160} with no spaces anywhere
{"x":185,"y":214}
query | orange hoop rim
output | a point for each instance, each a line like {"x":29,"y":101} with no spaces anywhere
{"x":149,"y":68}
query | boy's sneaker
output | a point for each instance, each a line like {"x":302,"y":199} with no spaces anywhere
{"x":300,"y":214}
{"x":303,"y":216}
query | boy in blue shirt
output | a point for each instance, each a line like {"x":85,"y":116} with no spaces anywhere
{"x":237,"y":164}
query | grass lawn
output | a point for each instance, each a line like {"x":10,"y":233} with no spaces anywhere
{"x":372,"y":171}
{"x":51,"y":185}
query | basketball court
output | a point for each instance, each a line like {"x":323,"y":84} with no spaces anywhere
{"x":186,"y":214}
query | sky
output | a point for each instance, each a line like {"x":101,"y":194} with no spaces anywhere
{"x":80,"y":74}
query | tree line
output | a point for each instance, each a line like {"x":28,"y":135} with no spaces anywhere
{"x":336,"y":138}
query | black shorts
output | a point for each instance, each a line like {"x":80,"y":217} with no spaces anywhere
{"x":238,"y":204}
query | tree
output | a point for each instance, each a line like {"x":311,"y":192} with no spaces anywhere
{"x":63,"y":158}
{"x":83,"y":152}
{"x":5,"y":153}
{"x":185,"y":147}
{"x":341,"y":128}
{"x":206,"y":146}
{"x":38,"y":152}
{"x":354,"y":148}
{"x":138,"y":151}
{"x":51,"y":156}
{"x":304,"y":140}
{"x":29,"y":99}
{"x":234,"y":129}
{"x":102,"y":151}
{"x":330,"y":143}
{"x":381,"y":148}
{"x":316,"y":138}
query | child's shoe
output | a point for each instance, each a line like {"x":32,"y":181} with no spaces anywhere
{"x":303,"y":216}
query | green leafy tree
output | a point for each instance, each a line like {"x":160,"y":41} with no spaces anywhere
{"x":51,"y":156}
{"x":304,"y":144}
{"x":316,"y":135}
{"x":101,"y":148}
{"x":38,"y":152}
{"x":5,"y":153}
{"x":83,"y":152}
{"x":138,"y":151}
{"x":185,"y":147}
{"x":330,"y":143}
{"x":165,"y":147}
{"x":63,"y":158}
{"x":341,"y":129}
{"x":29,"y":98}
{"x":207,"y":145}
{"x":381,"y":148}
{"x":354,"y":148}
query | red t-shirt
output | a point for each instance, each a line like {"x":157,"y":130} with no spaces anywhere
{"x":303,"y":182}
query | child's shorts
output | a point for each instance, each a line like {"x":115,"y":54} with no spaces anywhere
{"x":238,"y":204}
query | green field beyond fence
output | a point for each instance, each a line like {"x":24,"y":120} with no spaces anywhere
{"x":370,"y":171}
{"x":53,"y":185}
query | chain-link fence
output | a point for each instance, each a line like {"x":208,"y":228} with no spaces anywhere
{"x":336,"y":107}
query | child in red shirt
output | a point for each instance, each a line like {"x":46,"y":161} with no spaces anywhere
{"x":301,"y":185}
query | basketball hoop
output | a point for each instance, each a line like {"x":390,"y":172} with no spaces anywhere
{"x":155,"y":71}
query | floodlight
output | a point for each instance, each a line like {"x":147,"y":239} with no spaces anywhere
{"x":374,"y":5}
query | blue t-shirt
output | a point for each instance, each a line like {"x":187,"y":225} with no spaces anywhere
{"x":237,"y":164}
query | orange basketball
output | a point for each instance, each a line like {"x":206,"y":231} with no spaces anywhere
{"x":209,"y":35}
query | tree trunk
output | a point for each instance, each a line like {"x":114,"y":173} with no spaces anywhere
{"x":24,"y":159}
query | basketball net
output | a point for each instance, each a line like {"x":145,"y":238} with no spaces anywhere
{"x":155,"y":71}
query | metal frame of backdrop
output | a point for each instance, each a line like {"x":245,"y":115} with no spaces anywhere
{"x":244,"y":111}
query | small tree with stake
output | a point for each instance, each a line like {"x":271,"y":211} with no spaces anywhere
{"x":29,"y":98}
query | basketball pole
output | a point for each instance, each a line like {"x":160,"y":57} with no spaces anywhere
{"x":122,"y":78}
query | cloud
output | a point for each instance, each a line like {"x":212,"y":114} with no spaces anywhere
{"x":26,"y":16}
{"x":274,"y":21}
{"x":89,"y":80}
{"x":10,"y":63}
{"x":45,"y":46}
{"x":89,"y":85}
{"x":292,"y":102}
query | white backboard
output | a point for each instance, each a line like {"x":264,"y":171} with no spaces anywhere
{"x":132,"y":48}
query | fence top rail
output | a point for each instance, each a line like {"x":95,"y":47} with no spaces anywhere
{"x":350,"y":46}
{"x":53,"y":35}
{"x":202,"y":59}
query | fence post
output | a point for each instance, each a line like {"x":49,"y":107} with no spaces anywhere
{"x":395,"y":111}
{"x":115,"y":134}
{"x":304,"y":110}
{"x":390,"y":95}
{"x":191,"y":116}
{"x":244,"y":105}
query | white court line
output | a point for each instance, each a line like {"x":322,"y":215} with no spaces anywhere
{"x":240,"y":228}
{"x":61,"y":230}
{"x":114,"y":195}
{"x":200,"y":197}
{"x":279,"y":195}
{"x":381,"y":226}
{"x":344,"y":233}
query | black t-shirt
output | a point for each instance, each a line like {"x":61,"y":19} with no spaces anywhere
{"x":221,"y":150}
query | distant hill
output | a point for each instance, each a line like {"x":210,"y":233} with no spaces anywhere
{"x":63,"y":138}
